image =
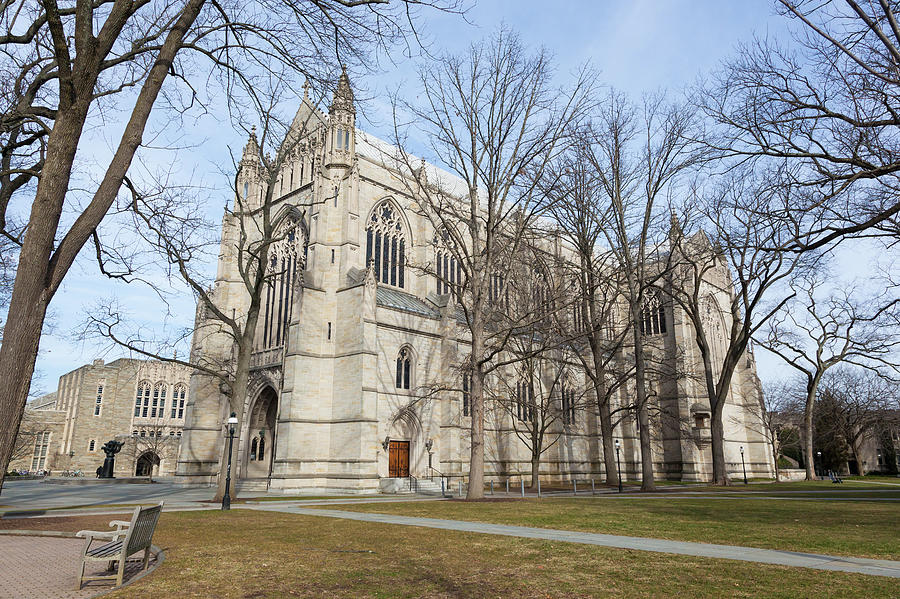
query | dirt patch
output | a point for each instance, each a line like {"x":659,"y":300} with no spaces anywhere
{"x":62,"y":524}
{"x":485,"y":500}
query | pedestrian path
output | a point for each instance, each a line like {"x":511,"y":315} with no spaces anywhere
{"x":854,"y":565}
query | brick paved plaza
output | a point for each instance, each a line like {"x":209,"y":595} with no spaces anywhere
{"x":47,"y":567}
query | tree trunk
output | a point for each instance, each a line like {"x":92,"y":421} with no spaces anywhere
{"x":808,"y":431}
{"x":535,"y":470}
{"x":717,"y":438}
{"x":43,"y":265}
{"x":609,"y":449}
{"x":647,"y":482}
{"x":31,"y":290}
{"x":606,"y":427}
{"x":236,"y":404}
{"x":476,"y":459}
{"x":775,"y":459}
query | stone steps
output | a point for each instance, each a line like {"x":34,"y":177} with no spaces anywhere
{"x":252,"y":484}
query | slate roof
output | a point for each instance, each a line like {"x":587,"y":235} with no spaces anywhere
{"x":392,"y":298}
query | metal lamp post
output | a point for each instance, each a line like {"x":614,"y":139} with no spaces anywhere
{"x":618,"y":466}
{"x":226,"y":499}
{"x":743,"y":464}
{"x":819,"y":455}
{"x":428,"y":445}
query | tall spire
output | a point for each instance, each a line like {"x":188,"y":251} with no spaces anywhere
{"x":251,"y":149}
{"x":343,"y":95}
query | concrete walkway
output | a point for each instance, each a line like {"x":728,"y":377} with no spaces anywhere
{"x":854,"y":565}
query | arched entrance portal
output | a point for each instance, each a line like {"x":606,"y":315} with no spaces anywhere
{"x":147,"y":464}
{"x":260,"y":437}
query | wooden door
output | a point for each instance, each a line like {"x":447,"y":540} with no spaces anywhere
{"x":398,"y":459}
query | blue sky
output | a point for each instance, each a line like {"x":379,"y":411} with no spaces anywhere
{"x":638,"y":46}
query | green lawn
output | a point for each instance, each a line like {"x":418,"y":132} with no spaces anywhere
{"x":803,"y":485}
{"x":244,"y":554}
{"x":863,"y":529}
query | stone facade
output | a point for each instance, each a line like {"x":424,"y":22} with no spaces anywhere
{"x":139,"y":402}
{"x":350,"y":335}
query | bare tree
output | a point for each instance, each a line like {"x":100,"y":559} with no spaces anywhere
{"x":539,"y":388}
{"x":70,"y":62}
{"x":637,"y":154}
{"x":826,"y":106}
{"x":493,"y":118}
{"x":813,"y":334}
{"x":853,"y":404}
{"x":779,"y":404}
{"x":577,"y":200}
{"x":733,"y":263}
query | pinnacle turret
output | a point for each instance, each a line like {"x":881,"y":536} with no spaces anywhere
{"x":343,"y":95}
{"x":251,"y":149}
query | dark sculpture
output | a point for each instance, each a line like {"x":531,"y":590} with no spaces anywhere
{"x":111,"y":448}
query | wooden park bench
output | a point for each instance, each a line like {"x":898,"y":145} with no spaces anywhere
{"x":127,"y":539}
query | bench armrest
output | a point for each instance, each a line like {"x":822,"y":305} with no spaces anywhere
{"x":109,"y":535}
{"x":120,"y":524}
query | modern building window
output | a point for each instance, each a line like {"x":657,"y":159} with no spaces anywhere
{"x":142,"y":400}
{"x":41,"y":446}
{"x":178,"y":395}
{"x":466,"y":393}
{"x":98,"y":404}
{"x":403,"y":368}
{"x":653,"y":315}
{"x":91,"y":445}
{"x":386,"y":244}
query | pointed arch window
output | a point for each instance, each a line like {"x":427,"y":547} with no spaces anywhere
{"x":525,"y":401}
{"x":404,"y":368}
{"x":447,"y":268}
{"x":653,"y":315}
{"x":279,"y":287}
{"x":567,"y":399}
{"x":467,"y":394}
{"x":142,"y":399}
{"x":386,"y":245}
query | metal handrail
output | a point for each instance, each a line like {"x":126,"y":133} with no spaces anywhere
{"x":443,"y":477}
{"x":413,"y":484}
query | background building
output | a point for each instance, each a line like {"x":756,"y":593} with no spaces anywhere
{"x":139,"y":402}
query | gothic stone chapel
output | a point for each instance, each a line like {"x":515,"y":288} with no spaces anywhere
{"x":332,"y":404}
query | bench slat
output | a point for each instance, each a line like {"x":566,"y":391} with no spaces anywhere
{"x":107,"y":549}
